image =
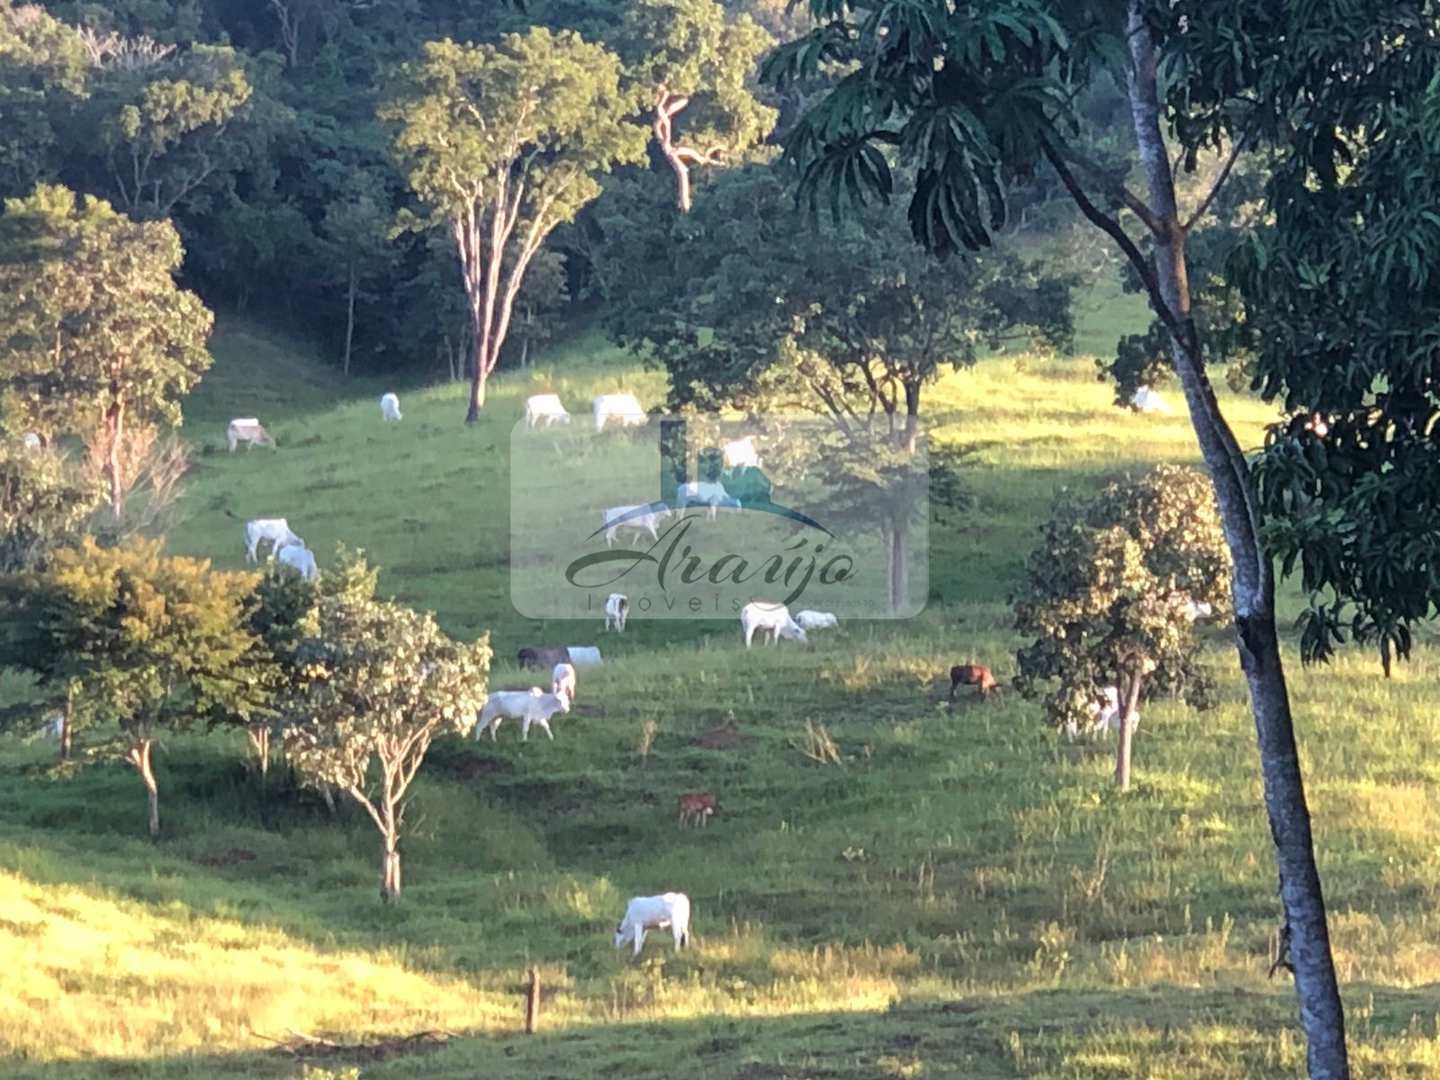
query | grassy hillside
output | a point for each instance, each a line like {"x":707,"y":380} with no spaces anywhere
{"x":960,"y":896}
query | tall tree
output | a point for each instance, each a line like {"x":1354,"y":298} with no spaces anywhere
{"x":44,"y":504}
{"x":146,"y":641}
{"x":693,"y":56}
{"x":95,"y":330}
{"x":353,"y":246}
{"x":502,"y":143}
{"x":374,"y":684}
{"x":1108,"y":599}
{"x":971,"y":94}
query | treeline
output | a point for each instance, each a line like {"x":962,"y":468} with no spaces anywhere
{"x":256,"y":128}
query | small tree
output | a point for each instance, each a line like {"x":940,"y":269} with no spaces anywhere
{"x":97,"y":333}
{"x":150,"y":642}
{"x":375,"y":683}
{"x":503,"y":143}
{"x":1107,"y":594}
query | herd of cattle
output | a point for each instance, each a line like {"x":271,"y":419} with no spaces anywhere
{"x":536,"y":706}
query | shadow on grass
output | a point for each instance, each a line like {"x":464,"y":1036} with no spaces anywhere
{"x":1219,"y":1033}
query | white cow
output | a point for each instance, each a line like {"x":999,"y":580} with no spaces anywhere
{"x":301,"y":558}
{"x":621,"y":407}
{"x":532,"y":706}
{"x":773,"y":619}
{"x":647,"y":522}
{"x":709,"y":493}
{"x":32,"y":441}
{"x":389,"y":407}
{"x":816,"y":620}
{"x":248,"y":430}
{"x":617,"y":610}
{"x":562,"y":681}
{"x":276,"y":530}
{"x":585,"y":655}
{"x":1202,"y":610}
{"x":545,"y":407}
{"x":740,"y":453}
{"x":1148,"y":401}
{"x":655,"y":913}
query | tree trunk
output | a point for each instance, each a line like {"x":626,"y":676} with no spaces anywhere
{"x":260,"y":742}
{"x":899,"y":569}
{"x":114,"y":429}
{"x":912,"y":417}
{"x":390,"y":866}
{"x":67,"y":724}
{"x":349,"y":319}
{"x":1321,"y":1011}
{"x":1130,"y":698}
{"x":139,"y":756}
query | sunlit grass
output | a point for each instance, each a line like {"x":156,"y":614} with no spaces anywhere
{"x":959,"y":895}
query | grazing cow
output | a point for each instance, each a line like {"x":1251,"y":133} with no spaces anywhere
{"x":301,"y":558}
{"x":532,"y":706}
{"x":773,"y":619}
{"x":249,"y":431}
{"x":1194,"y":611}
{"x":655,"y":913}
{"x":617,"y":610}
{"x":32,"y":441}
{"x":621,"y":407}
{"x":389,"y":407}
{"x":276,"y":530}
{"x":639,"y":523}
{"x":562,"y":681}
{"x":539,"y":657}
{"x":976,"y":675}
{"x":545,"y":407}
{"x":696,"y":808}
{"x":740,"y":453}
{"x":709,"y":493}
{"x":585,"y":655}
{"x":1148,"y":401}
{"x":817,"y":620}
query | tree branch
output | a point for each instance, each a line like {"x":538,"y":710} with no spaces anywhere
{"x":1112,"y":228}
{"x":1235,"y":149}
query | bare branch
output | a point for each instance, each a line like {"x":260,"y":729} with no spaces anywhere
{"x":1235,"y":150}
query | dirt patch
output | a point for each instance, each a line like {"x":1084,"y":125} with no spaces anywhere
{"x":224,"y":857}
{"x":725,"y":737}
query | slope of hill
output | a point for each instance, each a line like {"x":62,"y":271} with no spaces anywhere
{"x":952,"y":893}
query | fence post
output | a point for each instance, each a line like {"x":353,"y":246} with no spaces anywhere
{"x":532,"y":1002}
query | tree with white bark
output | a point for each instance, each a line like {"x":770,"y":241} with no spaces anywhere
{"x":502,"y":143}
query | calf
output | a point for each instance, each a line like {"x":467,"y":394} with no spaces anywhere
{"x":389,"y":407}
{"x":708,"y":493}
{"x":276,"y":530}
{"x":301,"y":558}
{"x":638,"y":522}
{"x":532,"y":706}
{"x":249,"y":431}
{"x":562,"y":681}
{"x":696,"y":808}
{"x":655,"y":913}
{"x":617,"y":610}
{"x":817,"y":620}
{"x":976,"y":675}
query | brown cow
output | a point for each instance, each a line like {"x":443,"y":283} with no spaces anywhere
{"x":976,"y":675}
{"x":696,"y":808}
